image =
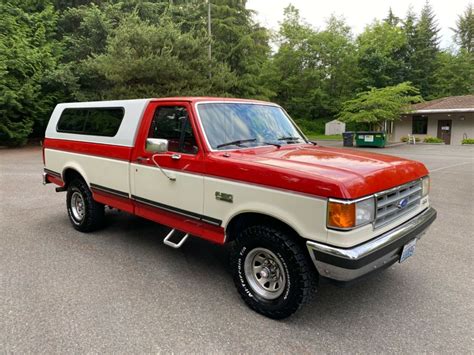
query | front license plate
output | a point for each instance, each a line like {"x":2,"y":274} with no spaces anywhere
{"x":408,"y":250}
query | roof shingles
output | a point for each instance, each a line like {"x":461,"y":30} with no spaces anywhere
{"x":447,"y":103}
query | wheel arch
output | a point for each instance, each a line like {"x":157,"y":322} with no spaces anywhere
{"x":244,"y":219}
{"x":72,"y":171}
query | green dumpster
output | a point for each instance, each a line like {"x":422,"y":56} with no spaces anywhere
{"x":370,"y":139}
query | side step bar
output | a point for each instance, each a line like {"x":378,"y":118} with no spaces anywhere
{"x":171,"y":244}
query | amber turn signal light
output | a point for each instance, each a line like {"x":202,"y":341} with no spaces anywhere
{"x":341,"y":215}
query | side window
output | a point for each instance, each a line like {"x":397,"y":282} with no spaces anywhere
{"x":105,"y":122}
{"x":91,"y":121}
{"x":172,"y":123}
{"x":72,"y":121}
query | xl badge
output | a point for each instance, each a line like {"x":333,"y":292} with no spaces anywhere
{"x":402,"y":203}
{"x":224,"y":197}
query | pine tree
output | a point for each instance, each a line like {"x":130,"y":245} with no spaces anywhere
{"x":27,"y":54}
{"x":464,"y":31}
{"x":381,"y":55}
{"x":423,"y":52}
{"x":391,"y":19}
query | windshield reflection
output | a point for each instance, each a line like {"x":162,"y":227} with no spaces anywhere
{"x":242,"y":125}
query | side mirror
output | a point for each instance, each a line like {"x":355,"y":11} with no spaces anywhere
{"x":156,"y":145}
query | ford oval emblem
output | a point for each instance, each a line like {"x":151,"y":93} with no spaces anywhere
{"x":402,"y":203}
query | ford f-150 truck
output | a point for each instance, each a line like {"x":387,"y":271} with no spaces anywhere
{"x":241,"y":172}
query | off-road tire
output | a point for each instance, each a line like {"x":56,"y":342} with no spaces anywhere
{"x":94,"y":212}
{"x":301,"y":277}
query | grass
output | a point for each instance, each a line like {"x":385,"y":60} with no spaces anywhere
{"x":322,"y":137}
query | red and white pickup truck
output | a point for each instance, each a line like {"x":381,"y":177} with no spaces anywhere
{"x":240,"y":171}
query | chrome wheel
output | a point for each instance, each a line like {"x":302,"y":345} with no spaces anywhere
{"x":265,"y":273}
{"x":77,"y":206}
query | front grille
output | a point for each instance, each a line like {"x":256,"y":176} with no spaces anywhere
{"x":388,"y":203}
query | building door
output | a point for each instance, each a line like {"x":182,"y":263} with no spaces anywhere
{"x":444,"y":130}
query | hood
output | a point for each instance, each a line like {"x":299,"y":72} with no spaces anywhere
{"x":327,"y":172}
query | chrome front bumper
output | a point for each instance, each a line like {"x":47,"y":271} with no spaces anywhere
{"x":348,"y":264}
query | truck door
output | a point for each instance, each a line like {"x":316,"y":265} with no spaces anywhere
{"x":178,"y":186}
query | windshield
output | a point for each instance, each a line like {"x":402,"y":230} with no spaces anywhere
{"x":238,"y":125}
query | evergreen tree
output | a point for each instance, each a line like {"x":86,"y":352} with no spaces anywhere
{"x":464,"y":31}
{"x":391,"y":19}
{"x":145,"y":60}
{"x":313,"y":71}
{"x":27,"y":53}
{"x":240,"y":43}
{"x":67,"y":50}
{"x":409,"y":30}
{"x":423,"y":52}
{"x":382,"y":55}
{"x":455,"y":74}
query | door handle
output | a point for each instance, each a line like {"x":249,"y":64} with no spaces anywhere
{"x":176,"y":156}
{"x":141,"y":160}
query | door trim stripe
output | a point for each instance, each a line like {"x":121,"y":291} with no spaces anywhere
{"x":200,"y":217}
{"x":173,"y":209}
{"x":109,"y":190}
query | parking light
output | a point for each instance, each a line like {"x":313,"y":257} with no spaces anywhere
{"x":346,"y":215}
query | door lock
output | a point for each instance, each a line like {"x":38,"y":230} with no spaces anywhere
{"x":176,"y":156}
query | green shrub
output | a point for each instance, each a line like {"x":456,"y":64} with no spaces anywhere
{"x":468,"y":141}
{"x":433,"y":140}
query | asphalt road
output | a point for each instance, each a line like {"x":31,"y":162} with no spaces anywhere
{"x":122,"y":290}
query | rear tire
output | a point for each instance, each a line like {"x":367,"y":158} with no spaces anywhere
{"x":272,"y":272}
{"x":85,"y":214}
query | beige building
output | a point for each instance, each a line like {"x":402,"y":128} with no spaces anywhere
{"x":448,"y":118}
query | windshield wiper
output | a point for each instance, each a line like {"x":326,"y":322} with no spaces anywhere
{"x":237,"y":142}
{"x":271,"y":143}
{"x":289,"y":138}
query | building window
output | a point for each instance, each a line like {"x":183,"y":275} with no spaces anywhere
{"x":420,"y":125}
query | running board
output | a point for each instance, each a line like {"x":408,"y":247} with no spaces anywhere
{"x":169,"y":243}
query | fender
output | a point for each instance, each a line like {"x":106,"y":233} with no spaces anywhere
{"x":285,"y":216}
{"x":76,"y":167}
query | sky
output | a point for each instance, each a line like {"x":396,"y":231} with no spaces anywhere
{"x":358,"y":13}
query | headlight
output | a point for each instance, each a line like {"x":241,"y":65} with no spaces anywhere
{"x":365,"y":211}
{"x":347,"y":215}
{"x":425,"y":186}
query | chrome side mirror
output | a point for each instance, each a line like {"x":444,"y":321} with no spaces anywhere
{"x":156,"y":145}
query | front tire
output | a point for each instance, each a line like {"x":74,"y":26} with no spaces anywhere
{"x":85,"y":214}
{"x":272,"y":272}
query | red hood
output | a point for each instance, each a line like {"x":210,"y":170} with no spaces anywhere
{"x":327,"y":172}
